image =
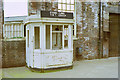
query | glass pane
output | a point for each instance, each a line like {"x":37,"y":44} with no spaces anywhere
{"x":64,"y":1}
{"x":47,"y":36}
{"x":72,"y":7}
{"x":64,"y":6}
{"x":16,"y":31}
{"x":13,"y":31}
{"x":56,"y":41}
{"x":66,"y":31}
{"x":72,"y":1}
{"x":60,"y":1}
{"x":68,"y":1}
{"x":68,"y":7}
{"x":37,"y":37}
{"x":59,"y":6}
{"x":65,"y":43}
{"x":65,"y":36}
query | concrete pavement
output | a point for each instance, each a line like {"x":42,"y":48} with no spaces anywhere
{"x":98,"y":68}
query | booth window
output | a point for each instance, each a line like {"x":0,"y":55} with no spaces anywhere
{"x":37,"y":37}
{"x":27,"y":38}
{"x":47,"y":36}
{"x":57,"y":37}
{"x":65,"y":36}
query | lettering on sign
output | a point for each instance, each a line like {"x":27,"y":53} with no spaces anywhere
{"x":55,"y":14}
{"x":61,"y":14}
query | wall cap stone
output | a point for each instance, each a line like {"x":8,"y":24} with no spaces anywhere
{"x":17,"y":39}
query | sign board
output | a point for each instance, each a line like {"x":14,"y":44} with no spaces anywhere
{"x":55,"y":14}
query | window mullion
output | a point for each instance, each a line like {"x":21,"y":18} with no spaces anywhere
{"x":70,"y":5}
{"x":63,"y":38}
{"x":75,"y":18}
{"x":15,"y":30}
{"x":51,"y":36}
{"x":69,"y":36}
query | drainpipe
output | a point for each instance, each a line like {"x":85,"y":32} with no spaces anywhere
{"x":2,"y":17}
{"x":99,"y":41}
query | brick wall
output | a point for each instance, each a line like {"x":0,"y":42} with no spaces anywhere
{"x":13,"y":53}
{"x":35,"y":6}
{"x":87,"y":29}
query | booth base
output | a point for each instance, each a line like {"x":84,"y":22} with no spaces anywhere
{"x":50,"y":69}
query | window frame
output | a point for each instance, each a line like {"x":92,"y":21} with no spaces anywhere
{"x":51,"y":25}
{"x":13,"y":31}
{"x":38,"y":37}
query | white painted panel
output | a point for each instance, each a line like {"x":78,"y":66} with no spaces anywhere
{"x":37,"y":60}
{"x":63,"y":38}
{"x":27,"y":48}
{"x":12,"y":30}
{"x":52,"y":60}
{"x":69,"y":36}
{"x":31,"y":45}
{"x":50,"y":36}
{"x":22,"y":30}
{"x":56,"y":59}
{"x":15,"y":30}
{"x":9,"y":31}
{"x":18,"y":30}
{"x":44,"y":36}
{"x":6,"y":31}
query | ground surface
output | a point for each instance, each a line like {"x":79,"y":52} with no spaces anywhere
{"x":99,"y":68}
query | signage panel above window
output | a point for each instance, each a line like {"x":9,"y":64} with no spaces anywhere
{"x":55,"y":14}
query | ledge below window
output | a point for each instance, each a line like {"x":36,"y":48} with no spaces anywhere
{"x":14,"y":39}
{"x":74,"y":38}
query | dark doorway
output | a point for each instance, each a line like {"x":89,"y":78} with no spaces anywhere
{"x":114,"y":35}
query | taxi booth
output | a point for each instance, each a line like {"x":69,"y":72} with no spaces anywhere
{"x":49,"y":42}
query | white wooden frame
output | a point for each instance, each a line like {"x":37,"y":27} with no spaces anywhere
{"x":69,"y":34}
{"x":10,"y":30}
{"x":39,"y":35}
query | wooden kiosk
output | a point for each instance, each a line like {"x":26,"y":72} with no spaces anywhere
{"x":49,"y":42}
